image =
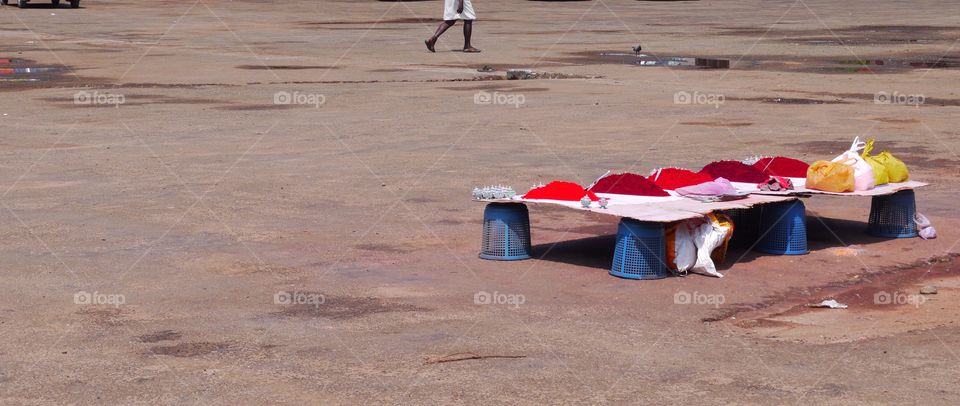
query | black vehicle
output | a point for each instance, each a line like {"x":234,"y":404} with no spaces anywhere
{"x":23,"y":3}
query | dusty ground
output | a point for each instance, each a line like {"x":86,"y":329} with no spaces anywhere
{"x":197,"y":200}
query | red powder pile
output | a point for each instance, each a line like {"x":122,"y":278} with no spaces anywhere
{"x":673,"y":178}
{"x":782,"y":166}
{"x":628,"y":184}
{"x":734,"y":171}
{"x":558,"y":190}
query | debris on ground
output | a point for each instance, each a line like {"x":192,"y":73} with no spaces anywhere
{"x":521,"y":74}
{"x":486,"y":68}
{"x":828,"y":304}
{"x":928,"y":290}
{"x":494,"y":192}
{"x":465,"y":356}
{"x":848,"y":251}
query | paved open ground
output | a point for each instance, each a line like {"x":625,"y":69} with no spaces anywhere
{"x":150,"y":165}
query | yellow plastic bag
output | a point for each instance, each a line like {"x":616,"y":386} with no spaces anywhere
{"x":830,"y":177}
{"x":896,"y":169}
{"x":879,"y":169}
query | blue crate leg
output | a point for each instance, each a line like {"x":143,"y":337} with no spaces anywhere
{"x":506,"y":232}
{"x":891,"y":216}
{"x":783,"y":228}
{"x":640,"y":251}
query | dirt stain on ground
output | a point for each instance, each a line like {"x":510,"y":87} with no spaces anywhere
{"x":262,"y":107}
{"x":560,"y":32}
{"x":787,"y":100}
{"x":852,"y":36}
{"x":189,"y":350}
{"x":344,"y":307}
{"x":374,"y":23}
{"x":893,"y":120}
{"x":719,"y":123}
{"x":422,"y":199}
{"x":285,"y":67}
{"x":129,"y":100}
{"x":497,"y":87}
{"x":385,"y":248}
{"x":872,"y":97}
{"x":887,"y":302}
{"x":157,"y":336}
{"x":225,"y":264}
{"x":864,"y":64}
{"x":104,"y":316}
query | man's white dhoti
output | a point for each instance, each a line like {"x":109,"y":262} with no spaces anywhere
{"x":450,"y":11}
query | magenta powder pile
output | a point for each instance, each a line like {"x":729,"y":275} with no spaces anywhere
{"x":782,"y":166}
{"x":675,"y":178}
{"x":734,"y":171}
{"x":558,"y":190}
{"x":628,"y":184}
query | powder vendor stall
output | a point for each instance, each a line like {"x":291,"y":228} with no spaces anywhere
{"x":771,"y":222}
{"x":639,"y":252}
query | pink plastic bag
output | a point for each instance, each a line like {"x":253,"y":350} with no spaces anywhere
{"x":924,"y":227}
{"x":718,"y":190}
{"x":863,"y":177}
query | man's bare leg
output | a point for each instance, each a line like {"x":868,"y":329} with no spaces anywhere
{"x":467,"y":32}
{"x":433,"y":40}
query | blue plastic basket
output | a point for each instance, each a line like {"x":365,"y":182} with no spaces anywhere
{"x":640,"y":251}
{"x":892,"y":215}
{"x":746,"y":226}
{"x":506,"y":232}
{"x":783,"y":228}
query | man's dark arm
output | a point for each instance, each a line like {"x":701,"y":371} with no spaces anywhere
{"x":459,"y":6}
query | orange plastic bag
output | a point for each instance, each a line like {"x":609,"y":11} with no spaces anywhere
{"x":830,"y":177}
{"x":720,"y":253}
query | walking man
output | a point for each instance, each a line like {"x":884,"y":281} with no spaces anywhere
{"x":454,"y":10}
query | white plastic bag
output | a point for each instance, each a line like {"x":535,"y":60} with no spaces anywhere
{"x":708,"y":236}
{"x":863,"y":177}
{"x":686,"y":251}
